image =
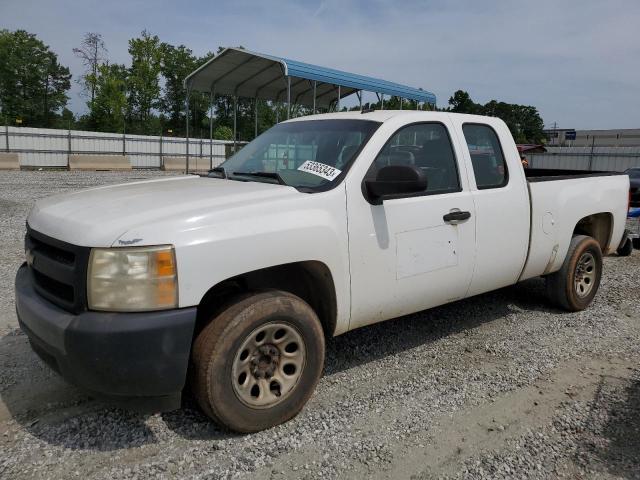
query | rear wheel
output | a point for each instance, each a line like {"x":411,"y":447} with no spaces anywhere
{"x":576,"y":283}
{"x":257,"y":363}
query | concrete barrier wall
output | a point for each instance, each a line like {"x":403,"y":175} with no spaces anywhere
{"x":99,"y":162}
{"x":43,"y":147}
{"x":9,"y":161}
{"x":179,"y":164}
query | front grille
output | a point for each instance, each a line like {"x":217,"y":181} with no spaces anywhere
{"x":58,"y":269}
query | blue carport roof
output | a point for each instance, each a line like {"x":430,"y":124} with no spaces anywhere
{"x":249,"y":74}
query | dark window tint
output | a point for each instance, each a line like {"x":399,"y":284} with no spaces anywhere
{"x":427,"y":146}
{"x":488,"y":162}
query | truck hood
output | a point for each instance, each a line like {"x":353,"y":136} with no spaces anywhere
{"x":97,"y":217}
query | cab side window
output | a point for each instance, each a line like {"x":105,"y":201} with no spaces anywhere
{"x":489,"y":167}
{"x":426,"y":146}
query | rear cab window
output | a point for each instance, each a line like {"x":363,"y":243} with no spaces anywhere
{"x":487,"y":158}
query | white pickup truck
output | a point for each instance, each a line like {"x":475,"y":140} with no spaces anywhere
{"x":231,"y":281}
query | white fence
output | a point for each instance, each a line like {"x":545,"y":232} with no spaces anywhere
{"x":44,"y":147}
{"x":609,"y":159}
{"x":49,"y":148}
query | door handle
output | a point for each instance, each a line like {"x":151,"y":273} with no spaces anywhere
{"x":456,"y":217}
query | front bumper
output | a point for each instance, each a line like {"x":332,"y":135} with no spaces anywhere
{"x":137,"y":358}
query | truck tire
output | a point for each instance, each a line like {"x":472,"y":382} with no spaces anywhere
{"x":257,"y":362}
{"x":576,"y":283}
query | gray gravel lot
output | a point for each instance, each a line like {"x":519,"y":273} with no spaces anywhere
{"x":496,"y":386}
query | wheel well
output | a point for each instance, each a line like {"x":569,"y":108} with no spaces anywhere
{"x":597,"y":226}
{"x":311,"y":281}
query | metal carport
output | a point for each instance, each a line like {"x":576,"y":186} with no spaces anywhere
{"x":242,"y":73}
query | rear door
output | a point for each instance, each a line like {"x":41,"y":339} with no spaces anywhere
{"x":501,"y":201}
{"x":406,"y":255}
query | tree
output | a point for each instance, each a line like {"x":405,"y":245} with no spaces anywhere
{"x":177,"y":63}
{"x":93,"y":53}
{"x":223,"y":133}
{"x":57,"y":80}
{"x":33,"y":85}
{"x":461,"y":103}
{"x":66,"y":119}
{"x":523,"y":121}
{"x":108,"y":109}
{"x":143,"y":81}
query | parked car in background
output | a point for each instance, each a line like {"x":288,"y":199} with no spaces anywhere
{"x":320,"y":225}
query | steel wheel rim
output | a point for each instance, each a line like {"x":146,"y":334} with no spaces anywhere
{"x":585,"y":274}
{"x":268,"y":365}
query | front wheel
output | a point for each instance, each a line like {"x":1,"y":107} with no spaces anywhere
{"x":257,"y":363}
{"x":576,"y":283}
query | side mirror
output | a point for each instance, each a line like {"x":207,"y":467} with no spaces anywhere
{"x":395,"y":180}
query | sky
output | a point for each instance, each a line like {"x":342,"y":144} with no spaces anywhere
{"x":577,"y":61}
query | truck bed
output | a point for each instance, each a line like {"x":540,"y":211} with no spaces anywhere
{"x":559,"y":200}
{"x":549,"y":174}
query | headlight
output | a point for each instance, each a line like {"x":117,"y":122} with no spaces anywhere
{"x":132,"y":279}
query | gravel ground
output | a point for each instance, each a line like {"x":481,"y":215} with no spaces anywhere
{"x":496,"y":386}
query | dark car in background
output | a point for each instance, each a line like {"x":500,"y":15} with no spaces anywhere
{"x":634,"y":186}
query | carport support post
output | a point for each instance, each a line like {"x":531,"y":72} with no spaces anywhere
{"x":255,"y":120}
{"x":288,"y":97}
{"x":211,"y":128}
{"x":235,"y":121}
{"x":400,"y":102}
{"x":69,"y":147}
{"x":187,"y":132}
{"x":314,"y":100}
{"x":360,"y":99}
{"x":382,"y":101}
{"x":6,"y":134}
{"x":338,"y":102}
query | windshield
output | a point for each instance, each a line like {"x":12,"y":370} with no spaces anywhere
{"x":633,"y":172}
{"x":309,"y":155}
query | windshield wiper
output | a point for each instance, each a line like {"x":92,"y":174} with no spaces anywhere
{"x":275,"y":175}
{"x":220,"y":171}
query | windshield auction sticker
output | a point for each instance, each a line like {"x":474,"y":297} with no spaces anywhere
{"x":319,"y":169}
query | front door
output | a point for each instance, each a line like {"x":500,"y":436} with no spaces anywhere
{"x":409,"y":254}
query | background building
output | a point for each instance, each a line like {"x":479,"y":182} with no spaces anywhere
{"x":569,"y":137}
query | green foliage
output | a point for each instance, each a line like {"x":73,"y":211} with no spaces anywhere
{"x":93,"y":52}
{"x":223,"y":132}
{"x":66,"y":119}
{"x":523,"y":121}
{"x":176,"y":64}
{"x":461,"y":103}
{"x":149,"y":97}
{"x":143,"y":81}
{"x":109,"y":107}
{"x":33,"y":84}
